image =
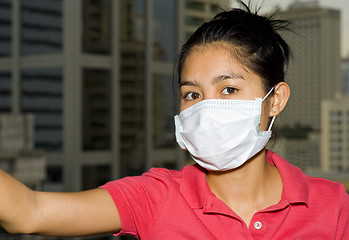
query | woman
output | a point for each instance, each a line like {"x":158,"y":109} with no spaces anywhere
{"x":231,"y":77}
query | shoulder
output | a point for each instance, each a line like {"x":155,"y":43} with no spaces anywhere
{"x":332,"y":200}
{"x":326,"y":194}
{"x":328,"y":191}
{"x":322,"y":184}
{"x":160,"y":173}
{"x":174,"y":174}
{"x":300,"y":186}
{"x":156,"y":179}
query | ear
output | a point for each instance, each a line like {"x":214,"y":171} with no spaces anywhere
{"x":279,"y":98}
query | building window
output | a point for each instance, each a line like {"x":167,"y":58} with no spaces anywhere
{"x":95,"y":175}
{"x":5,"y":91}
{"x":5,"y":28}
{"x":165,"y":107}
{"x":54,"y":179}
{"x":96,"y":113}
{"x":41,"y":27}
{"x":196,"y":6}
{"x":41,"y":95}
{"x":193,"y":21}
{"x":96,"y":34}
{"x":164,"y":45}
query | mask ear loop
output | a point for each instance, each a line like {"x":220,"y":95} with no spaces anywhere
{"x":273,"y":119}
{"x":271,"y":123}
{"x":272,"y":89}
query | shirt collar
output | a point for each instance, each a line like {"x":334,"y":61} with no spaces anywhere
{"x":196,"y":191}
{"x":194,"y":186}
{"x":295,"y":184}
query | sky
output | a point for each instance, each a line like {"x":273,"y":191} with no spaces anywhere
{"x":342,"y":5}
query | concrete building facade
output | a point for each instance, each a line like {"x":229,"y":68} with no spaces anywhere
{"x":314,"y":71}
{"x":198,"y":11}
{"x":335,"y":135}
{"x":97,"y":76}
{"x":313,"y":75}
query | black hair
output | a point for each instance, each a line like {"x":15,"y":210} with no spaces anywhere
{"x":253,"y":40}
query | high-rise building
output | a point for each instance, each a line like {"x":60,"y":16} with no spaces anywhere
{"x":314,"y":71}
{"x":86,"y":70}
{"x":198,"y":11}
{"x":97,"y":76}
{"x":313,"y":75}
{"x":335,"y":135}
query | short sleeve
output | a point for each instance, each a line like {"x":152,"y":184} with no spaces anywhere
{"x":343,"y":219}
{"x":139,"y":200}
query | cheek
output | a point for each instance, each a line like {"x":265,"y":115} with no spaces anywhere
{"x":181,"y":108}
{"x":265,"y":119}
{"x":183,"y":105}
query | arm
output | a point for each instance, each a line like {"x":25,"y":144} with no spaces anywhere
{"x":55,"y":214}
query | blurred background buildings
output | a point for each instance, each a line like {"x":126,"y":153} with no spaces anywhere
{"x":315,"y":61}
{"x":96,"y":78}
{"x":96,"y":75}
{"x":315,"y":123}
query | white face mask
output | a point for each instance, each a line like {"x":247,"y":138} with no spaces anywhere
{"x":222,"y":134}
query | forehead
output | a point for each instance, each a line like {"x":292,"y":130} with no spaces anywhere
{"x":221,"y":47}
{"x":208,"y":62}
{"x":212,"y":58}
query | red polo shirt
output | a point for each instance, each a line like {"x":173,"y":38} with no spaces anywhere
{"x":166,"y":204}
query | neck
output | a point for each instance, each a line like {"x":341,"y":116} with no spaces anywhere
{"x":252,"y":187}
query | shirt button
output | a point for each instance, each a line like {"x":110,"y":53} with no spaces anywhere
{"x":257,"y":225}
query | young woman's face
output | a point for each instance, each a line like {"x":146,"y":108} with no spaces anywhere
{"x":210,"y":72}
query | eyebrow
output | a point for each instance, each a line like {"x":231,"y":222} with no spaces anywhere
{"x":227,"y":76}
{"x":215,"y":80}
{"x":187,"y":83}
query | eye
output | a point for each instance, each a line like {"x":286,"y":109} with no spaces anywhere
{"x":191,"y":96}
{"x":229,"y":90}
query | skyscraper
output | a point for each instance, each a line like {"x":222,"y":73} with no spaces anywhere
{"x":314,"y":71}
{"x":97,"y":76}
{"x":313,"y":76}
